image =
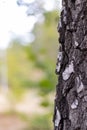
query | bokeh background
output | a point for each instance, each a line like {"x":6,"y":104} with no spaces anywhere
{"x":28,"y":53}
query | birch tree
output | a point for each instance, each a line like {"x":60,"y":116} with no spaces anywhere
{"x":70,"y":111}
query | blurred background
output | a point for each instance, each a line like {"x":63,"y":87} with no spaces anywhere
{"x":28,"y":54}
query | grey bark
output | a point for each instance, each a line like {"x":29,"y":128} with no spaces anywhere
{"x":70,"y":112}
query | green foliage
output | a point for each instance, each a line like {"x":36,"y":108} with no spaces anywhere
{"x":45,"y":103}
{"x":45,"y":86}
{"x":43,"y":51}
{"x":34,"y":65}
{"x":18,"y":68}
{"x":40,"y":123}
{"x":51,"y":17}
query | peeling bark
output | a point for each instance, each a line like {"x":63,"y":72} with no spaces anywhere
{"x":70,"y":111}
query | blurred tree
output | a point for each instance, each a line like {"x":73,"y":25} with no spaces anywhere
{"x":42,"y":52}
{"x":71,"y":91}
{"x":33,"y":65}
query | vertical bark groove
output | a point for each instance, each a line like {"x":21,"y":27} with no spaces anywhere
{"x":71,"y":90}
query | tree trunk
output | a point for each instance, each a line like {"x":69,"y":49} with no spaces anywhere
{"x":70,"y":111}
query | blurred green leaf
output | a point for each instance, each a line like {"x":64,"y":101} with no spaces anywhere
{"x":45,"y":103}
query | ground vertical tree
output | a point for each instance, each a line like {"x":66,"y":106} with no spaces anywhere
{"x":70,"y":111}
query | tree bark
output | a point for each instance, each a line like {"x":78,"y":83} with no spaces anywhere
{"x":70,"y":112}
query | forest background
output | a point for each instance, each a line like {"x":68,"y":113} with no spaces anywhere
{"x":28,"y":85}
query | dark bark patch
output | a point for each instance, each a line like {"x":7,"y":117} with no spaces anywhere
{"x":73,"y":1}
{"x":78,"y":128}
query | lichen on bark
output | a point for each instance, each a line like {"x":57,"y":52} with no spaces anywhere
{"x":71,"y":90}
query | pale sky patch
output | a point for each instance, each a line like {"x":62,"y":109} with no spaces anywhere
{"x":49,"y":4}
{"x":13,"y":20}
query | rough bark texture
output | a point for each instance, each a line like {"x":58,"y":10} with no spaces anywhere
{"x":71,"y":92}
